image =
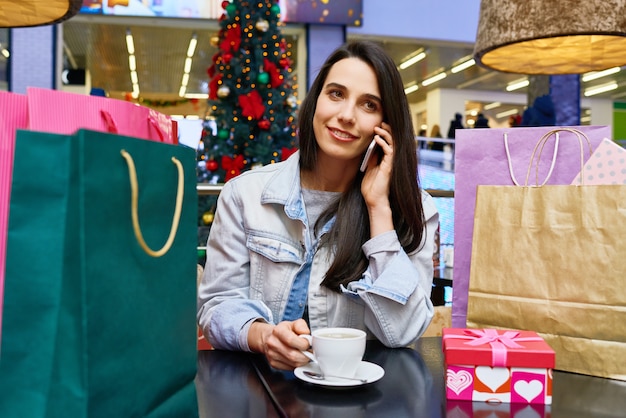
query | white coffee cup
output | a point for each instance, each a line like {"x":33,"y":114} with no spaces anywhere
{"x":337,"y":351}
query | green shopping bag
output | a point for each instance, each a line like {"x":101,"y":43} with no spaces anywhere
{"x":99,"y":309}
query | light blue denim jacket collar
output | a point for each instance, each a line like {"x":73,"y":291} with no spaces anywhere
{"x":284,"y":188}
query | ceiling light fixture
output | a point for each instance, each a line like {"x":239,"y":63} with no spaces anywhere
{"x":548,"y":37}
{"x":592,"y":91}
{"x":132,"y":63}
{"x":130,"y":42}
{"x":411,"y":89}
{"x":196,"y":96}
{"x":191,"y":49}
{"x":519,"y":84}
{"x":594,"y":75}
{"x":463,"y":66}
{"x":492,"y":105}
{"x":407,"y":62}
{"x":434,"y":79}
{"x":506,"y":113}
{"x":479,"y":79}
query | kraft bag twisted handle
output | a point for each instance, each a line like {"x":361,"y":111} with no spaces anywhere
{"x":542,"y":142}
{"x":132,"y":174}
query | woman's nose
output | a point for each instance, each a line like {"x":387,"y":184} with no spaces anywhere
{"x":347,"y":114}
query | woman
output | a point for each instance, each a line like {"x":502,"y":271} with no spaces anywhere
{"x":312,"y":241}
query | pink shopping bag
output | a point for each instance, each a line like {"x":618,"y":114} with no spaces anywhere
{"x":13,"y":115}
{"x":480,"y":159}
{"x":63,"y":112}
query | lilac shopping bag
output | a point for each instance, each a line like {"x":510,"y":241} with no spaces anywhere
{"x":480,"y":159}
{"x":13,"y":116}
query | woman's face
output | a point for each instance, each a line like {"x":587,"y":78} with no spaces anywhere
{"x":348,"y":108}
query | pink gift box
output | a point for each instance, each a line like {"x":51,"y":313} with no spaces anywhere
{"x":502,"y":366}
{"x":464,"y":409}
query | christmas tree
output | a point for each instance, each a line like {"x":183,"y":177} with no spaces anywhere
{"x":252,"y":99}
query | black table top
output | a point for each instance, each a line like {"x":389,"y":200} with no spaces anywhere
{"x":232,"y":384}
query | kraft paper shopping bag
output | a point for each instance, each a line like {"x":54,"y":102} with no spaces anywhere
{"x":551,"y":259}
{"x":100,"y":282}
{"x":480,"y":159}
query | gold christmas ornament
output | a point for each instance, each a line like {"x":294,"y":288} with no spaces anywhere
{"x":262,"y":25}
{"x":207,"y":218}
{"x":292,"y":101}
{"x":215,"y":40}
{"x":223,"y":92}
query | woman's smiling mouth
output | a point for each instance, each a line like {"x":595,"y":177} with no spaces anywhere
{"x":341,"y":135}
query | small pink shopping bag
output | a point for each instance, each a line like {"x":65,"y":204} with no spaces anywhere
{"x":13,"y":115}
{"x":63,"y":112}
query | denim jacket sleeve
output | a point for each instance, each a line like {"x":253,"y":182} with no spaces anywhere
{"x":225,"y":310}
{"x":396,"y":287}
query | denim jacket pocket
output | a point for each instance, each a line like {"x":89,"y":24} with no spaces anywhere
{"x":274,"y":263}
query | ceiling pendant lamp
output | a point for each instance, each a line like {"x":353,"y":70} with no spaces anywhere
{"x":25,"y":13}
{"x":551,"y":37}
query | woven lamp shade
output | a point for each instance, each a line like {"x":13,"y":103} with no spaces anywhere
{"x":24,"y":13}
{"x":551,"y":37}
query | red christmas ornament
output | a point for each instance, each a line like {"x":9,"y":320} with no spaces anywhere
{"x":286,"y":152}
{"x":225,"y":3}
{"x":252,"y":105}
{"x":232,"y":166}
{"x":227,"y":57}
{"x":285,"y":62}
{"x":264,"y":124}
{"x":212,"y":165}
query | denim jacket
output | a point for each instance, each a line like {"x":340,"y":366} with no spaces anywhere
{"x":259,"y":245}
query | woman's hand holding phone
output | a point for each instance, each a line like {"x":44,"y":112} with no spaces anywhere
{"x":375,"y":184}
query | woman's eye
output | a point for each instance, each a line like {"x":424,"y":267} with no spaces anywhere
{"x":335,"y":93}
{"x":371,"y":106}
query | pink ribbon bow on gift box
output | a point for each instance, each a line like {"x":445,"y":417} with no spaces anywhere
{"x":499,"y":342}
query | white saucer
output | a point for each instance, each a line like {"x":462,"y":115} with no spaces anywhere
{"x":369,"y":371}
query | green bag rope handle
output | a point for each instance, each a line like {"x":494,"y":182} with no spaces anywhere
{"x":132,"y":174}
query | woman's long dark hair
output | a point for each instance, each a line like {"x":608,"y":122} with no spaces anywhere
{"x":351,"y":228}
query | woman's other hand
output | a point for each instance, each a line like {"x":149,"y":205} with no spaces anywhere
{"x":281,"y":344}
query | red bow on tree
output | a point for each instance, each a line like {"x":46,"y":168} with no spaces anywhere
{"x":274,"y":72}
{"x":232,"y":166}
{"x":214,"y":85}
{"x":252,"y":105}
{"x":232,"y":40}
{"x":286,"y":152}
